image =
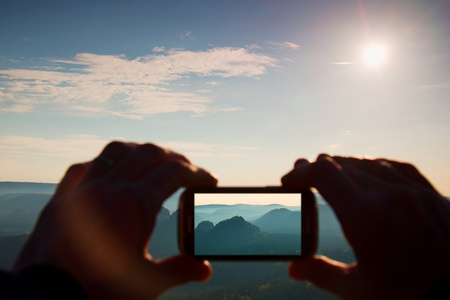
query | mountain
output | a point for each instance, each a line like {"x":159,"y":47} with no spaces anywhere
{"x":10,"y":203}
{"x":9,"y":187}
{"x":19,"y":212}
{"x":21,"y":204}
{"x":236,"y":236}
{"x":230,"y":236}
{"x":258,"y":280}
{"x":280,"y":220}
{"x":216,"y":213}
{"x":236,"y":229}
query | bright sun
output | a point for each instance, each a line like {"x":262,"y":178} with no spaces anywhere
{"x":374,"y":55}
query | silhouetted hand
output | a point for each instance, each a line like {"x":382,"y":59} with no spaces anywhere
{"x":98,"y":224}
{"x":396,"y":222}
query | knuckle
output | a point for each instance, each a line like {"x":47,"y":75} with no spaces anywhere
{"x":151,"y":150}
{"x":115,"y":146}
{"x":177,"y":167}
{"x":326,"y":165}
{"x":75,"y":169}
{"x":182,"y":157}
{"x":409,"y":168}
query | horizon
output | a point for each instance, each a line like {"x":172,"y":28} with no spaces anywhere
{"x":246,"y":204}
{"x":288,"y":199}
{"x":242,"y":89}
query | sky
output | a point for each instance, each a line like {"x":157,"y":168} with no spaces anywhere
{"x":293,"y":200}
{"x":242,"y":88}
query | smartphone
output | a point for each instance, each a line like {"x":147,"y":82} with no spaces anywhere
{"x":247,"y":223}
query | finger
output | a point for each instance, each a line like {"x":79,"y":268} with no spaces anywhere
{"x":388,"y":170}
{"x":182,"y":268}
{"x":162,"y":275}
{"x":380,"y":169}
{"x":335,"y":185}
{"x":148,"y":279}
{"x":142,"y":159}
{"x":298,"y":177}
{"x":108,"y":159}
{"x":412,"y":173}
{"x":333,"y":276}
{"x":167,"y":178}
{"x":72,"y":178}
{"x":300,"y":162}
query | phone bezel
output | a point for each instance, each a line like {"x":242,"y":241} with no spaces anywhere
{"x":308,"y":225}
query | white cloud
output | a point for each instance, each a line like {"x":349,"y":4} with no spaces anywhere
{"x":334,"y":147}
{"x":134,"y":88}
{"x":284,"y":45}
{"x":214,"y":83}
{"x":439,"y":85}
{"x":28,"y":158}
{"x":75,"y":146}
{"x":158,"y":49}
{"x":254,"y":46}
{"x":187,"y":35}
{"x":16,"y":108}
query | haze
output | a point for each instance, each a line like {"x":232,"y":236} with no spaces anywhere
{"x":250,"y":199}
{"x":242,"y":88}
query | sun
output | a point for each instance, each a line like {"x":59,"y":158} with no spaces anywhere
{"x":374,"y":55}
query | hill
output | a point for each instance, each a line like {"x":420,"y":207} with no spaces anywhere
{"x":9,"y":187}
{"x":258,"y":280}
{"x":216,"y":213}
{"x":280,"y":220}
{"x":19,"y":212}
{"x":236,"y":236}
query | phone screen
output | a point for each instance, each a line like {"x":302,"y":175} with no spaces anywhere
{"x":247,"y":224}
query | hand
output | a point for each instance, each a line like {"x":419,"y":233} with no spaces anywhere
{"x":97,"y":225}
{"x":396,"y":222}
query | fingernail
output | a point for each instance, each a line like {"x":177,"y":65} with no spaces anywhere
{"x":323,"y":156}
{"x":300,"y":161}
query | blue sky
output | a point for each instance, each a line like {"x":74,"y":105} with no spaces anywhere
{"x":243,"y":88}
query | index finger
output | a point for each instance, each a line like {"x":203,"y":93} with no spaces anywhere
{"x":333,"y":183}
{"x":167,"y":178}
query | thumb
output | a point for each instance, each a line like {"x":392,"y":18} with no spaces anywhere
{"x":331,"y":275}
{"x":181,"y":269}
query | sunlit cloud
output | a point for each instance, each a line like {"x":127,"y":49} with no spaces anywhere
{"x":284,"y":45}
{"x":187,"y":35}
{"x":214,"y":83}
{"x":131,"y":88}
{"x":16,"y":108}
{"x":158,"y":49}
{"x":24,"y":158}
{"x":74,"y":146}
{"x":334,"y":147}
{"x":341,"y":63}
{"x":30,"y":158}
{"x":440,"y":85}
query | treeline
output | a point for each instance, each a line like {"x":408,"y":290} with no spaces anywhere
{"x":268,"y":280}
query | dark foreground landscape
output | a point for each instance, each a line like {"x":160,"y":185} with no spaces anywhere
{"x":20,"y":204}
